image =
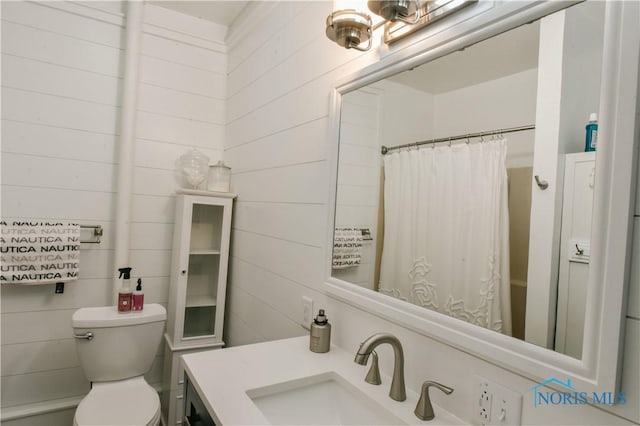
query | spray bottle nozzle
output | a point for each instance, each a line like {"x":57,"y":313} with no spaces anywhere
{"x":125,"y":273}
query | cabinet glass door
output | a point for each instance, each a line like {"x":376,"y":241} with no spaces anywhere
{"x":204,"y":265}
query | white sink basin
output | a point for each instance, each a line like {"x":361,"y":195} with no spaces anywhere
{"x":325,"y":399}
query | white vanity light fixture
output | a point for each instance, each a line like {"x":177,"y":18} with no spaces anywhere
{"x":350,"y":25}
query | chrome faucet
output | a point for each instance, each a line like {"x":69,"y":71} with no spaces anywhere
{"x":397,"y":390}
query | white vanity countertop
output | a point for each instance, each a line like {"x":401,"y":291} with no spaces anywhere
{"x":222,"y":378}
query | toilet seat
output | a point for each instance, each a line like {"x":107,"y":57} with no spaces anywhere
{"x":123,"y":402}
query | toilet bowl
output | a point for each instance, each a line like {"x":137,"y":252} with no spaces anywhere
{"x":115,"y":351}
{"x":125,"y":402}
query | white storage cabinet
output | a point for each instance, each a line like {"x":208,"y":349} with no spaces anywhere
{"x":197,"y":287}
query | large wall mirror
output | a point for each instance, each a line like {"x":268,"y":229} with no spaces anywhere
{"x":465,"y":192}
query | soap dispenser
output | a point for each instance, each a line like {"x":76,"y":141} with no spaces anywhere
{"x":138,"y":297}
{"x":320,"y":334}
{"x":125,"y":293}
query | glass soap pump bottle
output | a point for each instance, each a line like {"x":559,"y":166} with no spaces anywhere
{"x":320,"y":334}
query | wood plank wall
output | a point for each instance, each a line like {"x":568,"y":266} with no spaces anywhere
{"x":61,"y":81}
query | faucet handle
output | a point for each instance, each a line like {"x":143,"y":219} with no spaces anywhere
{"x":424,"y":409}
{"x":373,"y":376}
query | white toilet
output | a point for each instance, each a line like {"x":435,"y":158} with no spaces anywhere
{"x":115,"y":352}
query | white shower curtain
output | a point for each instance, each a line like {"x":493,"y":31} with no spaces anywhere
{"x":446,"y":236}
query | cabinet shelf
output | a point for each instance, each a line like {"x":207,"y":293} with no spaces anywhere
{"x":204,"y":252}
{"x":200,"y":301}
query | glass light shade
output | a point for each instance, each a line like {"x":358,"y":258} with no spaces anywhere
{"x":194,"y":166}
{"x":349,"y":29}
{"x":396,"y":10}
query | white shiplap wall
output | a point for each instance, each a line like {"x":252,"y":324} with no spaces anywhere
{"x":60,"y":103}
{"x":61,"y":82}
{"x":359,"y":179}
{"x":280,"y":76}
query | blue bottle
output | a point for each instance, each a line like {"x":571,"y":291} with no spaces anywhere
{"x":592,"y":133}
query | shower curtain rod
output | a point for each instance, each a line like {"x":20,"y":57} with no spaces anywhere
{"x":386,"y":149}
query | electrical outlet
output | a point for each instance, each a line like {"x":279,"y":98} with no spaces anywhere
{"x":497,"y":405}
{"x":484,"y":403}
{"x":307,"y":312}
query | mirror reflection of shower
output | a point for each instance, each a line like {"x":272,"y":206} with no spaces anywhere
{"x":497,"y":84}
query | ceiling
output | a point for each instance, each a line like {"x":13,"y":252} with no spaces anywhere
{"x":220,"y":12}
{"x":502,"y":55}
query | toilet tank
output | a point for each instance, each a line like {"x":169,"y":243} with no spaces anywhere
{"x":123,"y":345}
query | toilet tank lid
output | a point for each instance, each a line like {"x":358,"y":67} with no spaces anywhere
{"x":108,"y":316}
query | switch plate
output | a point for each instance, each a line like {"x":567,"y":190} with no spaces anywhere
{"x":496,"y":404}
{"x":307,"y":312}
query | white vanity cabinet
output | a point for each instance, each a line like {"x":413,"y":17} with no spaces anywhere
{"x":197,"y":286}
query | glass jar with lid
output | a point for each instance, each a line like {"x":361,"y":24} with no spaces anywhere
{"x":219,"y":177}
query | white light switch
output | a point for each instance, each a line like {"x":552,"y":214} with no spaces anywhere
{"x":307,"y":312}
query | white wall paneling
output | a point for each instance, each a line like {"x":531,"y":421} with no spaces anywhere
{"x":195,"y":56}
{"x":300,"y":183}
{"x":51,"y":79}
{"x":32,"y":202}
{"x":27,"y":170}
{"x":75,"y":20}
{"x":262,"y":284}
{"x":291,"y":222}
{"x":61,"y":84}
{"x":269,"y":323}
{"x":303,"y":143}
{"x":255,"y":51}
{"x":71,"y":144}
{"x":179,"y":130}
{"x":38,"y":387}
{"x":180,"y":77}
{"x":153,"y":209}
{"x":73,"y":52}
{"x":298,"y":262}
{"x":181,"y":104}
{"x":60,"y":417}
{"x":33,"y":107}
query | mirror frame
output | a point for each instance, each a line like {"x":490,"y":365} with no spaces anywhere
{"x":614,"y":198}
